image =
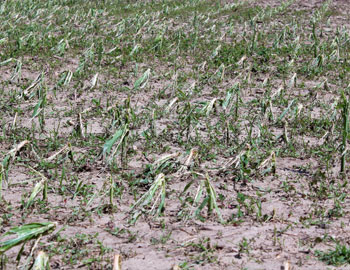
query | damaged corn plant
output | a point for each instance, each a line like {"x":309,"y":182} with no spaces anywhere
{"x":205,"y":196}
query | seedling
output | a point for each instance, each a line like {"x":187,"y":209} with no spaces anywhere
{"x":338,"y":256}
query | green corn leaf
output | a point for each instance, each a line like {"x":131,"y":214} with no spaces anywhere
{"x":200,"y":208}
{"x":37,"y":189}
{"x":25,"y":233}
{"x":109,"y":144}
{"x":125,"y":132}
{"x":162,"y":201}
{"x":5,"y":166}
{"x":37,"y":109}
{"x":212,"y":195}
{"x":187,"y":187}
{"x":142,"y":81}
{"x":286,"y":110}
{"x":135,"y":49}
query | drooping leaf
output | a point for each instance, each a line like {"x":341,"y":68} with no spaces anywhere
{"x":36,"y":190}
{"x":25,"y":233}
{"x":109,"y":144}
